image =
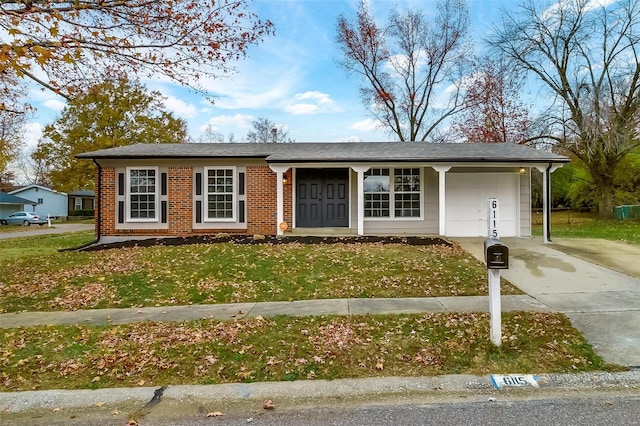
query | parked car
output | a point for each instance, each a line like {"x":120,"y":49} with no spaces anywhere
{"x":24,"y":218}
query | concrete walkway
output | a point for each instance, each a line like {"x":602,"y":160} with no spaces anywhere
{"x":270,"y":309}
{"x":602,"y":303}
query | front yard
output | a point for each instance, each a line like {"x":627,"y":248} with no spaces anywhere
{"x":37,"y":278}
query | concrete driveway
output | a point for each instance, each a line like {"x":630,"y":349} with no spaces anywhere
{"x":599,"y":292}
{"x":56,"y":228}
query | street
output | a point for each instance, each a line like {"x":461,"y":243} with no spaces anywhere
{"x":559,"y":407}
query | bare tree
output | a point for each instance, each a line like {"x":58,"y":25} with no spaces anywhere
{"x":265,"y":130}
{"x":210,"y":135}
{"x":13,"y":115}
{"x":408,"y":66}
{"x":586,"y":55}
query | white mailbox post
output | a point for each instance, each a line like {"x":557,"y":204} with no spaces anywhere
{"x":497,"y":257}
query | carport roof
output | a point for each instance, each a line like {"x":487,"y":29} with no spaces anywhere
{"x":12,"y":199}
{"x":342,"y":152}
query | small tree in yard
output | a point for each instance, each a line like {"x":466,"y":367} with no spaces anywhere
{"x":586,"y":54}
{"x":111,"y":114}
{"x":408,"y":66}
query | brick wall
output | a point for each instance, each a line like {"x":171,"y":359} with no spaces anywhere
{"x":261,"y":200}
{"x":107,"y":201}
{"x":180,"y":200}
{"x":261,"y":204}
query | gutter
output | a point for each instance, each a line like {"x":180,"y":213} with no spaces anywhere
{"x":548,"y":212}
{"x":98,"y":215}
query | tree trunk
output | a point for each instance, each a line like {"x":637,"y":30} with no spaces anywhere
{"x":605,"y":199}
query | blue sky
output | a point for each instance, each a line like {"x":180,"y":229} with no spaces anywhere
{"x":292,"y":79}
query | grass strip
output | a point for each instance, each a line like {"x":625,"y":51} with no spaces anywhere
{"x":286,"y":348}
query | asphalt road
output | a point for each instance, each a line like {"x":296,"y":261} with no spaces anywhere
{"x":56,"y":228}
{"x":605,"y":408}
{"x":583,"y":412}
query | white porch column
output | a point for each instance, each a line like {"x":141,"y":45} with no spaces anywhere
{"x":442,"y":220}
{"x":546,"y":199}
{"x":279,"y":170}
{"x":360,"y":171}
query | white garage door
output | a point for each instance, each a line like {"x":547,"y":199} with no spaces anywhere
{"x":466,"y":203}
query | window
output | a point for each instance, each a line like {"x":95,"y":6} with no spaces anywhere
{"x":376,"y":193}
{"x":143,"y":194}
{"x":220,"y":194}
{"x":40,"y":201}
{"x":403,"y":195}
{"x":406,"y":188}
{"x":77,"y":203}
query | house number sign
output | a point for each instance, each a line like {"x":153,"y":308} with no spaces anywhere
{"x":493,"y":218}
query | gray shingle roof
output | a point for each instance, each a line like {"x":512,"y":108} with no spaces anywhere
{"x":347,"y":152}
{"x":12,"y":199}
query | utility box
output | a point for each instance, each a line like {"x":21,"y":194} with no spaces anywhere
{"x":496,"y":254}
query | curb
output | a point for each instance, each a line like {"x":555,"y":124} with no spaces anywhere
{"x":300,"y":393}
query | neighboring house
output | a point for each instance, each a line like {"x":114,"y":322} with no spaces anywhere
{"x":80,"y":200}
{"x":10,"y":204}
{"x":47,"y":200}
{"x":369,"y":188}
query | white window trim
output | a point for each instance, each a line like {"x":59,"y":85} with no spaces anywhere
{"x":205,"y":195}
{"x":127,"y":194}
{"x":392,"y":210}
{"x":77,"y":205}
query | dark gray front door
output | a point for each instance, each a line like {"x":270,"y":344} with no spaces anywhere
{"x":322,"y":198}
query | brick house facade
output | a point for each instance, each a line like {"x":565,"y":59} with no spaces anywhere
{"x":352,"y":188}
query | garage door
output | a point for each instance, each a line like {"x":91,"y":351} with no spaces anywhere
{"x":466,"y":203}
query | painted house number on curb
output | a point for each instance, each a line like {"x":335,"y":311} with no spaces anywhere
{"x":514,"y":380}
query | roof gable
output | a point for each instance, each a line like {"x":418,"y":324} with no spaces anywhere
{"x":38,"y":187}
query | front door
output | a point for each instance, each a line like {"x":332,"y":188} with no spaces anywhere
{"x":322,"y":198}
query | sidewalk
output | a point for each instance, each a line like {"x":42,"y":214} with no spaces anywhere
{"x":270,"y":309}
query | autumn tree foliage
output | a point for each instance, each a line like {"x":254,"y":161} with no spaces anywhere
{"x":66,"y":45}
{"x":110,"y":114}
{"x":411,"y":67}
{"x":493,"y":110}
{"x":585,"y":53}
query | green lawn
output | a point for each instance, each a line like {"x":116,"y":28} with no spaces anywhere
{"x":37,"y":277}
{"x":286,"y":348}
{"x":569,"y":224}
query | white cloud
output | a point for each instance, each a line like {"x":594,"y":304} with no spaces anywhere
{"x":351,"y":139}
{"x":366,"y":125}
{"x":228,"y":121}
{"x":302,"y":109}
{"x":317,"y":103}
{"x":54,"y":104}
{"x":180,"y":107}
{"x":31,"y":136}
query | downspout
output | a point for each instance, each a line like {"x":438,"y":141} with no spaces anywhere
{"x":98,"y":215}
{"x":548,"y":212}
